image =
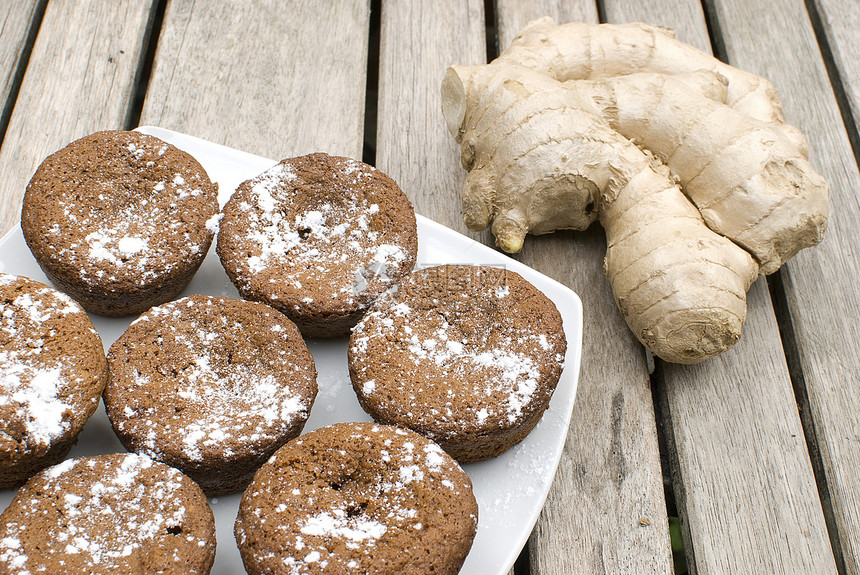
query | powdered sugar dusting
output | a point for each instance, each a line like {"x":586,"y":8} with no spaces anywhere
{"x":33,"y":392}
{"x":60,"y":468}
{"x":331,"y":234}
{"x":337,"y":524}
{"x":11,"y":555}
{"x":123,"y":223}
{"x":101,"y":515}
{"x":340,"y":513}
{"x":130,"y":245}
{"x":234,"y":402}
{"x":32,"y":387}
{"x":511,"y":377}
{"x":518,"y":372}
{"x":212,"y":224}
{"x":107,"y":245}
{"x":469,"y":362}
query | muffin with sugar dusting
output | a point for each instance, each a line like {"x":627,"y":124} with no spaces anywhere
{"x":468,"y":356}
{"x":358,"y":498}
{"x":118,"y":220}
{"x":108,"y":514}
{"x":318,"y":237}
{"x":52,"y":372}
{"x":211,"y":386}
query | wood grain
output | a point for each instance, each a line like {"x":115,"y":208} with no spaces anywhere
{"x":722,"y":415}
{"x":16,"y":25}
{"x":273,"y":78}
{"x":609,"y":478}
{"x":418,"y":41}
{"x":685,"y":17}
{"x":80,"y":79}
{"x":841,"y":22}
{"x":750,"y":499}
{"x":820,"y":283}
{"x":606,"y":511}
{"x":512,"y":16}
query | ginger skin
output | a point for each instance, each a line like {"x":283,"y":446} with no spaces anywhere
{"x":750,"y":182}
{"x":548,"y":148}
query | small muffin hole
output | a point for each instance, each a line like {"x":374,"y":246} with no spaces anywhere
{"x":354,"y":510}
{"x":174,"y":529}
{"x":304,"y":233}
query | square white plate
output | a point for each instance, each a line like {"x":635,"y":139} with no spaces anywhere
{"x":510,"y":489}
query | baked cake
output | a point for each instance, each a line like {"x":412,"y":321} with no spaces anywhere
{"x":105,"y":515}
{"x":52,"y":372}
{"x":467,"y":356}
{"x":118,"y":220}
{"x":318,"y":237}
{"x":357,"y":498}
{"x":212,"y":386}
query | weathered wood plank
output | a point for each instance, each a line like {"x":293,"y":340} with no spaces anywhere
{"x":685,"y":17}
{"x":739,"y":444}
{"x":840,"y":20}
{"x":750,"y":499}
{"x":16,"y":25}
{"x":613,"y":495}
{"x":255,"y":76}
{"x":80,"y":79}
{"x":418,"y":41}
{"x":820,"y":283}
{"x":606,"y":512}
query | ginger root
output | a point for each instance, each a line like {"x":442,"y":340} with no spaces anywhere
{"x":685,"y":161}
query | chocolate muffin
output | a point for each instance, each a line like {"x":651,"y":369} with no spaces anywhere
{"x":118,"y":513}
{"x":318,"y":237}
{"x":467,"y":356}
{"x":211,"y":386}
{"x":52,"y":372}
{"x":357,"y":498}
{"x":118,"y":220}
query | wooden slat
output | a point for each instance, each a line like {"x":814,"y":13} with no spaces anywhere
{"x":606,"y":512}
{"x":841,"y":22}
{"x":591,"y":523}
{"x":749,"y":494}
{"x":685,"y":17}
{"x":820,"y":283}
{"x":80,"y":79}
{"x":255,"y":76}
{"x":418,"y":41}
{"x":16,"y":23}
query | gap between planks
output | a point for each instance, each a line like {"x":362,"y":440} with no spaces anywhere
{"x":16,"y":76}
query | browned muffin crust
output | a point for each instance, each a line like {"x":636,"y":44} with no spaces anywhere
{"x":357,"y":498}
{"x":318,"y":237}
{"x":108,"y":514}
{"x":52,"y":372}
{"x":211,"y":386}
{"x":118,"y":220}
{"x":467,"y":356}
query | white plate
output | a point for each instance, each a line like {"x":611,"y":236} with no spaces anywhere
{"x":510,"y":489}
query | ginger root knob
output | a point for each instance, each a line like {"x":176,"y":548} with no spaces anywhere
{"x":715,"y":190}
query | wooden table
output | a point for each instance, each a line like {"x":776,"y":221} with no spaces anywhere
{"x":757,"y":451}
